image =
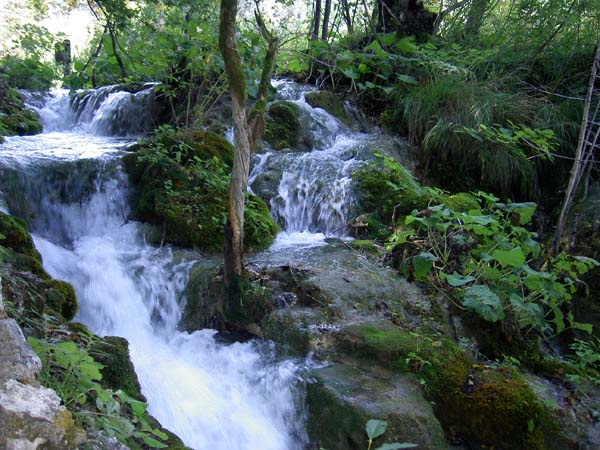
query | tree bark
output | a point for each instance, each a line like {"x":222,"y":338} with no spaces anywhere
{"x":234,"y":228}
{"x":245,"y":132}
{"x":325,"y":27}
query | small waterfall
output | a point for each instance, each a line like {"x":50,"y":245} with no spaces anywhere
{"x":71,"y":189}
{"x":311,"y":193}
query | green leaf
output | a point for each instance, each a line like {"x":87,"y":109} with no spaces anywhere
{"x":530,"y":426}
{"x":484,"y":302}
{"x":396,"y":446}
{"x":407,"y":79}
{"x":510,"y":258}
{"x":422,"y":263}
{"x":375,"y":428}
{"x":457,"y":280}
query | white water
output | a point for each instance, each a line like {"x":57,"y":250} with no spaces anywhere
{"x":214,"y":396}
{"x":315,"y":194}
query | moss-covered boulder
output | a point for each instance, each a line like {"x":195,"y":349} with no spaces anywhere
{"x":341,"y":399}
{"x":61,"y":298}
{"x":16,"y":246}
{"x":15,"y":119}
{"x":181,"y":183}
{"x":282,"y":128}
{"x":478,"y":404}
{"x":328,"y":101}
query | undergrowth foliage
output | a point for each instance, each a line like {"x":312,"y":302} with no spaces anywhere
{"x":75,"y":376}
{"x":485,"y":262}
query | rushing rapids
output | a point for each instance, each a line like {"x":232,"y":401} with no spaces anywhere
{"x":68,"y":184}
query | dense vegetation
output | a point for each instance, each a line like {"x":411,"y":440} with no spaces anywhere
{"x":490,"y":98}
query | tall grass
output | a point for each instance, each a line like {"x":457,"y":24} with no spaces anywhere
{"x":435,"y":115}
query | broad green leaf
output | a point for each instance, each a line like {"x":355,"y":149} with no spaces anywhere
{"x":407,"y":79}
{"x":422,"y":263}
{"x":375,"y":428}
{"x":457,"y":280}
{"x":484,"y":302}
{"x":510,"y":258}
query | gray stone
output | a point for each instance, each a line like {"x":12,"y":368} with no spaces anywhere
{"x":17,"y":360}
{"x":31,"y":416}
{"x":100,"y":441}
{"x":343,"y":398}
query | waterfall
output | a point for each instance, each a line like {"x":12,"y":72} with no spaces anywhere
{"x":312,"y":193}
{"x":67,"y":182}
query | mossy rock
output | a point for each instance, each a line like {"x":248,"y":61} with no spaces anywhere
{"x":17,"y":247}
{"x":62,"y":299}
{"x":484,"y":405}
{"x":342,"y":398}
{"x":388,"y":190}
{"x":186,"y":146}
{"x":282,"y":125}
{"x":182,"y":185}
{"x":118,"y":371}
{"x":14,"y":118}
{"x":328,"y":101}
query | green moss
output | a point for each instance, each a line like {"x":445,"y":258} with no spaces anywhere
{"x":388,"y":189}
{"x":282,"y":125}
{"x":118,"y":372}
{"x":489,"y":405}
{"x":14,"y":118}
{"x":62,"y":299}
{"x":329,"y":101}
{"x":182,"y":185}
{"x":18,"y":246}
{"x":186,"y":146}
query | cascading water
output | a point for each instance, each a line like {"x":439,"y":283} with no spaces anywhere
{"x":70,"y":188}
{"x":311,"y":192}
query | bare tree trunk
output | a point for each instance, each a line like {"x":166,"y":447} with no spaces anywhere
{"x":234,"y":228}
{"x":245,"y":133}
{"x":113,"y":40}
{"x":588,"y":141}
{"x":314,"y":34}
{"x":347,"y":16}
{"x":326,"y":14}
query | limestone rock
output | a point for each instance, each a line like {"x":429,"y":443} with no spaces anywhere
{"x":17,"y":359}
{"x":32,"y":416}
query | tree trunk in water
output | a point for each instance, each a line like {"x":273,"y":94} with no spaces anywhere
{"x":234,"y":229}
{"x":588,"y":141}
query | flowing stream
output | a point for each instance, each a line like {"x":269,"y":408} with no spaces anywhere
{"x":68,"y":184}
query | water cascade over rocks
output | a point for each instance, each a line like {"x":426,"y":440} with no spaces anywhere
{"x":311,"y":192}
{"x":68,"y":184}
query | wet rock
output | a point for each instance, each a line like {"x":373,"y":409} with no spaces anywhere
{"x":328,"y":101}
{"x":343,"y":398}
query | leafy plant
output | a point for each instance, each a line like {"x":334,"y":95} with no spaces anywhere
{"x":376,"y":428}
{"x":491,"y":265}
{"x":585,"y":361}
{"x":75,"y":376}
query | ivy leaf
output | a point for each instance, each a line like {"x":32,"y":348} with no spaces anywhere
{"x":484,"y":302}
{"x":375,"y":428}
{"x":510,"y":258}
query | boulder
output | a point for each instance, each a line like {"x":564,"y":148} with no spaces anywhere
{"x":32,"y":417}
{"x":17,"y":359}
{"x":342,"y":398}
